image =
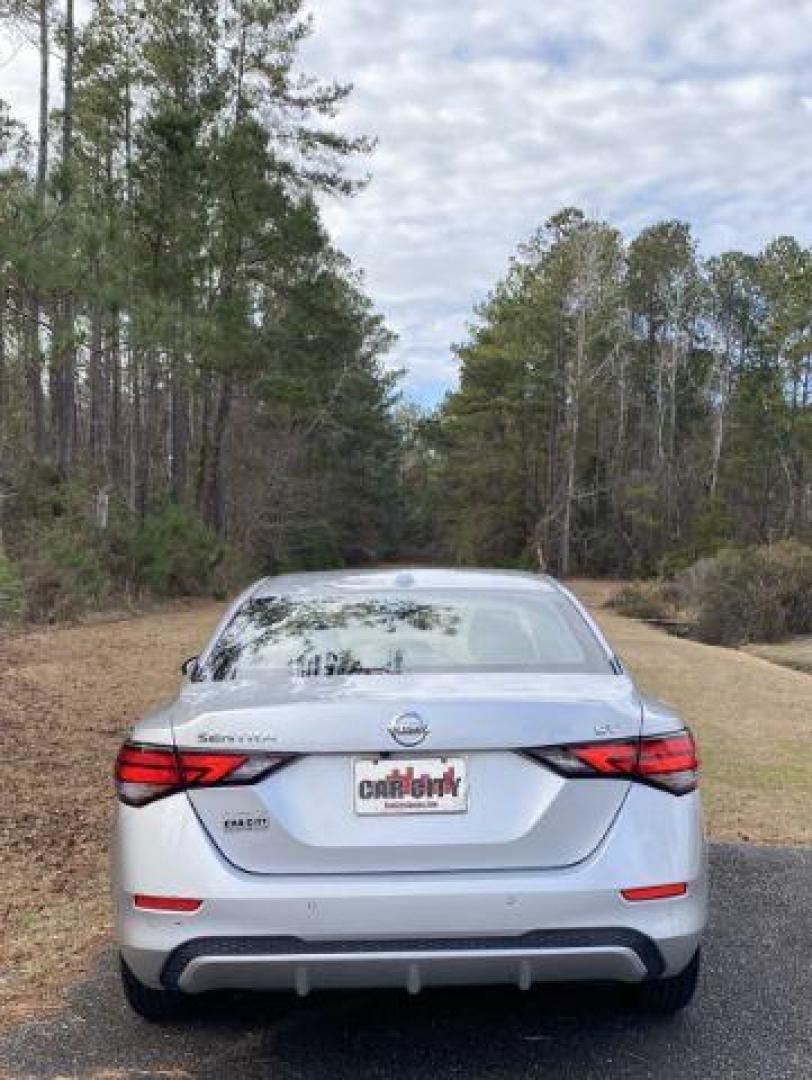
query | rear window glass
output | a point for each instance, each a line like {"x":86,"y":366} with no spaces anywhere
{"x":316,"y":637}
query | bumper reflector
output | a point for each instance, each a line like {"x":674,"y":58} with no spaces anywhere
{"x":165,"y":903}
{"x":655,"y":892}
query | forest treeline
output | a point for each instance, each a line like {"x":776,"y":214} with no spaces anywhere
{"x":190,"y":372}
{"x":626,"y":408}
{"x":192,"y":379}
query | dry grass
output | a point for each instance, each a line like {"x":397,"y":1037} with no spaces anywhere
{"x":796,"y":653}
{"x":68,"y":695}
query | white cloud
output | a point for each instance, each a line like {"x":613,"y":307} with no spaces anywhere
{"x":491,"y":116}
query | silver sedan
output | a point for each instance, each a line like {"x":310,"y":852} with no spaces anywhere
{"x":401,"y":778}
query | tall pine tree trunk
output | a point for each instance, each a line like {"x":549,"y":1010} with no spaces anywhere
{"x":136,"y":433}
{"x":147,"y":430}
{"x":33,"y":374}
{"x":3,"y":375}
{"x":66,"y":405}
{"x":211,"y":479}
{"x":96,"y":379}
{"x":114,"y":372}
{"x":44,"y":56}
{"x":722,"y":381}
{"x":573,"y":386}
{"x":203,"y":482}
{"x":178,"y":428}
{"x":32,"y":335}
{"x":218,"y":455}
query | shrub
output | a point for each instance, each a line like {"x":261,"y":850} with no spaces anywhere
{"x":64,"y":574}
{"x":172,"y":553}
{"x":58,"y":557}
{"x":61,"y":563}
{"x":11,"y":590}
{"x":230,"y":572}
{"x":752,"y":594}
{"x":643,"y":600}
{"x":734,"y":597}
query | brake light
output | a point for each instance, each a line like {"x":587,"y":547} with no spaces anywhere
{"x":144,"y":773}
{"x":664,"y":761}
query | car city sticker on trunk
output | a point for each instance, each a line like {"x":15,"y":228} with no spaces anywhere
{"x":418,"y":786}
{"x":236,"y":822}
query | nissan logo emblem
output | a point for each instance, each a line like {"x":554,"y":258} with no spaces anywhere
{"x":408,"y":729}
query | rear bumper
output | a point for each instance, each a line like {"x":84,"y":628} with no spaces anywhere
{"x":277,"y":963}
{"x":411,"y":929}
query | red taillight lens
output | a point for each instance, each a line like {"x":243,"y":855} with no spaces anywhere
{"x":667,"y":755}
{"x":207,"y":769}
{"x":608,"y":759}
{"x":165,"y":903}
{"x":144,"y":773}
{"x":665,"y":761}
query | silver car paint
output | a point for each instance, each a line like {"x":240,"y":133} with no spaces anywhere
{"x":331,"y":890}
{"x":545,"y":822}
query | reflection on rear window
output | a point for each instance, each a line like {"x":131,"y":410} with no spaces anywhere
{"x":318,"y":637}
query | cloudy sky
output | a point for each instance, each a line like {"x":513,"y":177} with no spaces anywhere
{"x":491,"y":116}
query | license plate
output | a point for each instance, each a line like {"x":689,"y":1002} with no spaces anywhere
{"x":425,"y":785}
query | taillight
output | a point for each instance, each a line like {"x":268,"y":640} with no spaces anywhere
{"x":144,"y":773}
{"x":669,"y":761}
{"x":665,"y":761}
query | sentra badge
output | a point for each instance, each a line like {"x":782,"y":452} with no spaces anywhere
{"x":230,"y":738}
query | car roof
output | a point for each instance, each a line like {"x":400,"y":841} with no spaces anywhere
{"x":404,"y":578}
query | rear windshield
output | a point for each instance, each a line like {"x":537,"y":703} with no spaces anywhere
{"x":317,"y":637}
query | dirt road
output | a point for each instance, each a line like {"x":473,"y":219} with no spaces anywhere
{"x":68,"y":694}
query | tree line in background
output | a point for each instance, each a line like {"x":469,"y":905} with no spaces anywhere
{"x":191,"y":377}
{"x":625,"y":408}
{"x":190,"y":372}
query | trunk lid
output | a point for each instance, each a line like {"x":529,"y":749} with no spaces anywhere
{"x":518,"y":815}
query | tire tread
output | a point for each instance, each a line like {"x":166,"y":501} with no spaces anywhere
{"x":668,"y":996}
{"x":159,"y":1006}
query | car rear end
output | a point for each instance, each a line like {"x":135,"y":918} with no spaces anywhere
{"x":405,"y":783}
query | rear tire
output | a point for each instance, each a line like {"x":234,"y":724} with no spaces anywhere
{"x":664,"y":997}
{"x":158,"y":1006}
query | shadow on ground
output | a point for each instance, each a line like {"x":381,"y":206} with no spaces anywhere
{"x":753,"y":1017}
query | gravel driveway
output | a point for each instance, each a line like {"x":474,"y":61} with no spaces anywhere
{"x":752,"y":1019}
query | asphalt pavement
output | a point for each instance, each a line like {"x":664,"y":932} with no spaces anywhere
{"x":752,"y":1017}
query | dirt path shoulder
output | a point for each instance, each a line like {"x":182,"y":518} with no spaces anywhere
{"x":67,"y":696}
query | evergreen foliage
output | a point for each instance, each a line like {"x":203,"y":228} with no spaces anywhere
{"x":192,"y":386}
{"x":625,"y":409}
{"x":190,"y":374}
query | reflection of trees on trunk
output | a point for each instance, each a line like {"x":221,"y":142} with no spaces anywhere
{"x":261,"y":624}
{"x":312,"y":665}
